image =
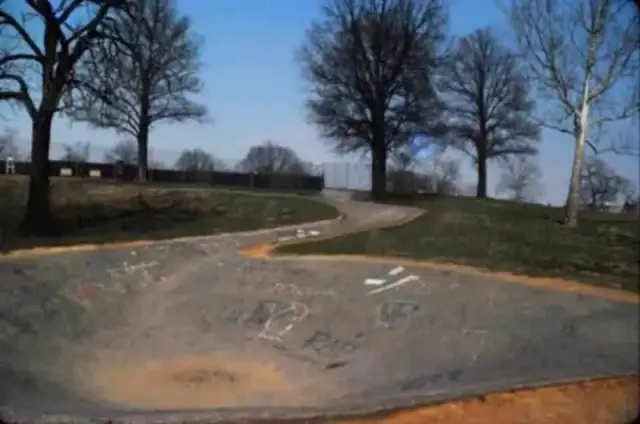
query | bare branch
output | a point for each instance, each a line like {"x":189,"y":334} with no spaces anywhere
{"x":602,"y":187}
{"x":584,"y":57}
{"x":37,"y":67}
{"x":520,"y":179}
{"x":487,"y":103}
{"x":369,"y":66}
{"x":125,"y":151}
{"x":197,"y":160}
{"x":142,"y":74}
{"x":270,"y":158}
{"x":9,"y":21}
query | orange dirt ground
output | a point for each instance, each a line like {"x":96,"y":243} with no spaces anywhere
{"x":611,"y":401}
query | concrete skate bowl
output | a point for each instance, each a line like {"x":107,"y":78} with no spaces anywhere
{"x":187,"y":331}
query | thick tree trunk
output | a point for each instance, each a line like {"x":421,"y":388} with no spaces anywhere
{"x":143,"y":135}
{"x":143,"y":153}
{"x":581,"y":126}
{"x":379,"y":173}
{"x":573,"y":197}
{"x":481,"y":164}
{"x":38,"y":219}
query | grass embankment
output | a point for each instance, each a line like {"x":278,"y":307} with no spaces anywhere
{"x":96,"y":212}
{"x":504,"y":236}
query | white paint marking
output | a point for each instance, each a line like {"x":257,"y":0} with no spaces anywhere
{"x":300,"y":312}
{"x":395,"y":271}
{"x":374,"y":281}
{"x":313,"y":233}
{"x":398,"y":283}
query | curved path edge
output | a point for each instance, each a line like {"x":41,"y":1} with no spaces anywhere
{"x":353,"y":409}
{"x":89,"y":247}
{"x":270,"y":251}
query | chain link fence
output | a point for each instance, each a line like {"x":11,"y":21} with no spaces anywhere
{"x":75,"y":156}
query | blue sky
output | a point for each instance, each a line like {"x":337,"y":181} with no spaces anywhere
{"x":254,"y":91}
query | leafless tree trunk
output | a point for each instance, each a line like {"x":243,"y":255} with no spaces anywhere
{"x":583,"y":56}
{"x":143,"y":75}
{"x":488,"y":104}
{"x":521,"y":180}
{"x":370,"y":67}
{"x":51,"y":63}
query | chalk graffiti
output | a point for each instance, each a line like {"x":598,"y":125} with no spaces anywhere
{"x":323,"y":343}
{"x":296,"y":290}
{"x":389,"y":313}
{"x":480,"y":334}
{"x":381,"y":283}
{"x":282,"y":322}
{"x":274,"y":316}
{"x":125,"y":269}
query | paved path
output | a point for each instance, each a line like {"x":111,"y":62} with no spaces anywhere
{"x":193,"y":330}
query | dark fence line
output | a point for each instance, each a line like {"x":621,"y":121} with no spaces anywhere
{"x":106,"y":171}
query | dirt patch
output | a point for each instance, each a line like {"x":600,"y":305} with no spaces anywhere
{"x":613,"y":401}
{"x":190,"y":383}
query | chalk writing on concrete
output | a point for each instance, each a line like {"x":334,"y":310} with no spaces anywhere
{"x":297,"y":290}
{"x":283,"y":321}
{"x":126,"y":269}
{"x":275,"y":317}
{"x":480,"y":335}
{"x":119,"y":274}
{"x":390,"y":313}
{"x":325,"y":344}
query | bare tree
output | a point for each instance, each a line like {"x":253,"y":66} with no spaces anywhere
{"x":583,"y":56}
{"x":125,"y":151}
{"x":270,"y":158}
{"x":145,"y":76}
{"x":521,"y":180}
{"x":8,"y":146}
{"x":197,"y":160}
{"x":487,"y":102}
{"x":37,"y":70}
{"x":402,"y":159}
{"x":446,"y":172}
{"x":79,"y":152}
{"x":369,"y":64}
{"x":602,"y":186}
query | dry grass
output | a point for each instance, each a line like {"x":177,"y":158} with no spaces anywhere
{"x":96,"y":212}
{"x":504,"y":236}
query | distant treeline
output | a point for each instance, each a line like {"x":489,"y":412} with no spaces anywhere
{"x":122,"y":172}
